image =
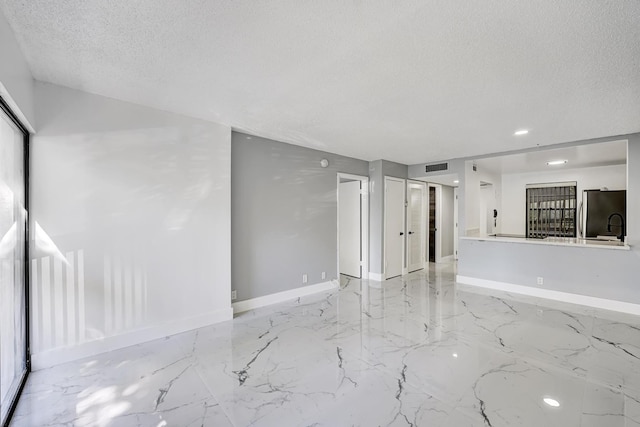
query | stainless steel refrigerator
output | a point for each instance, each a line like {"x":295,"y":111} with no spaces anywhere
{"x":595,"y":209}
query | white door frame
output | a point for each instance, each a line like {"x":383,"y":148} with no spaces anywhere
{"x":364,"y":222}
{"x":438,"y":244}
{"x":384,"y":227}
{"x":423,"y":220}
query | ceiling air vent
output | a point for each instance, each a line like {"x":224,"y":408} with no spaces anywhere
{"x":437,"y":167}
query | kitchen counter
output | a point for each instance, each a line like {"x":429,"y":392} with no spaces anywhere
{"x":553,"y":241}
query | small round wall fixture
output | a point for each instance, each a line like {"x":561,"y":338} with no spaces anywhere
{"x":324,"y":163}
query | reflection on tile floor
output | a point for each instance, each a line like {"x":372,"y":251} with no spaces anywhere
{"x":415,"y":351}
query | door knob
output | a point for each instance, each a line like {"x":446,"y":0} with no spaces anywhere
{"x":411,"y":232}
{"x":401,"y":233}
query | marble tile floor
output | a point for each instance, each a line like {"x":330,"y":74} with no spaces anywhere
{"x":413,"y":351}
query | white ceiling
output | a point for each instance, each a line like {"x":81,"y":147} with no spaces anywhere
{"x":413,"y":81}
{"x":582,"y":156}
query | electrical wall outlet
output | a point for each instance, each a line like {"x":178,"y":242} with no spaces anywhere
{"x":540,"y":281}
{"x":234,"y":295}
{"x":304,"y":278}
{"x":324,"y":275}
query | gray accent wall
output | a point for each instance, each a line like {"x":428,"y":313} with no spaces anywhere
{"x":378,"y":169}
{"x":397,"y":170}
{"x":283,"y":214}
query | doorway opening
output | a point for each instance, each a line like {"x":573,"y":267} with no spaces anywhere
{"x":488,"y":209}
{"x":442,"y":223}
{"x":353,"y":225}
{"x":441,"y":217}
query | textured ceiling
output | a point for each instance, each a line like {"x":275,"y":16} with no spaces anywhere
{"x":410,"y":81}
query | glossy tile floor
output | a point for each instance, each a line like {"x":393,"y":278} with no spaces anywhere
{"x":414,"y":351}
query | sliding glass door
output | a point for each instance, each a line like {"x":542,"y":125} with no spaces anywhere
{"x":13,"y":292}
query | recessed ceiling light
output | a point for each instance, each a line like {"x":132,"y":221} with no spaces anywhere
{"x":556,"y":162}
{"x":551,"y":402}
{"x":455,"y":355}
{"x":456,"y":181}
{"x":521,"y":132}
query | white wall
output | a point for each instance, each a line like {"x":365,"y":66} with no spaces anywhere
{"x":487,"y":205}
{"x":131,"y":212}
{"x":16,"y":82}
{"x":513,"y":213}
{"x":447,"y":221}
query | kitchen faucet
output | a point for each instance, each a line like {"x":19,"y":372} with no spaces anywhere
{"x":621,"y":225}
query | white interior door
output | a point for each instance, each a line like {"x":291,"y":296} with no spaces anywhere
{"x":349,"y":228}
{"x":394,"y":238}
{"x":416,"y":225}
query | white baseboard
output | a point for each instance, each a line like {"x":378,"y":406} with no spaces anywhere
{"x":375,"y":276}
{"x":250,"y":304}
{"x":607,"y":304}
{"x":57,"y":356}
